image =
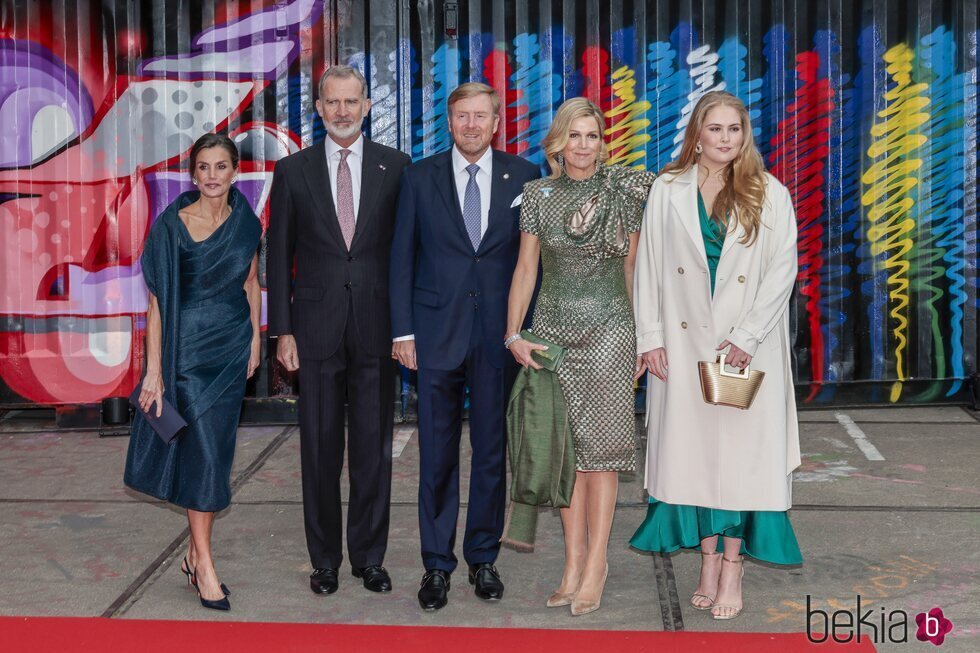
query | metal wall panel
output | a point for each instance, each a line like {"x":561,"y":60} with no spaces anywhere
{"x":866,"y":110}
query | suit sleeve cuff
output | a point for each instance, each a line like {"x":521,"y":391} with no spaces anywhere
{"x":410,"y":336}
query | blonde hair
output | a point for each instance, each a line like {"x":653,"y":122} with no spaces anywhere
{"x":557,"y":137}
{"x":745,"y":180}
{"x":473,"y":89}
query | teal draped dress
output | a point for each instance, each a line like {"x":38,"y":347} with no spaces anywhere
{"x":206,"y":342}
{"x":766,"y":534}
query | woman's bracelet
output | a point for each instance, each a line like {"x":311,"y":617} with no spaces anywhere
{"x":512,"y":339}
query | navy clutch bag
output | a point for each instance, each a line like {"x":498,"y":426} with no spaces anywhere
{"x":168,"y":425}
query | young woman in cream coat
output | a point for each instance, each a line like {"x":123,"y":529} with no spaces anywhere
{"x":706,"y":285}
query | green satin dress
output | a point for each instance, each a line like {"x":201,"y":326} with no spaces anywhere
{"x":766,"y":534}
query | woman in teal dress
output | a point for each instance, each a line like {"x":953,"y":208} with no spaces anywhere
{"x":581,"y":223}
{"x":202,"y":342}
{"x":716,"y":264}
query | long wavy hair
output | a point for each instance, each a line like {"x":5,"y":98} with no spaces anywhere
{"x":745,"y":180}
{"x":557,"y":137}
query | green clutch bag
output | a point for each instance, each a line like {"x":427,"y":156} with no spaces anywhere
{"x":550,"y":358}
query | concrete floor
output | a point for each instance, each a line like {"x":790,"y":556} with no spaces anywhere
{"x":900,"y":532}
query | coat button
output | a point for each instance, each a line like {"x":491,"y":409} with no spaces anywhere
{"x":347,"y":285}
{"x":741,"y":278}
{"x":680,"y":270}
{"x":350,"y":258}
{"x":683,"y":325}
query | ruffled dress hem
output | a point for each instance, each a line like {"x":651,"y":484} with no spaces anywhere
{"x":766,"y":535}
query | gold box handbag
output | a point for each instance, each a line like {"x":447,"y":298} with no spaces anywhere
{"x":723,"y":388}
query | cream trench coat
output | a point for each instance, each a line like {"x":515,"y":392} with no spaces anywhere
{"x":697,"y":453}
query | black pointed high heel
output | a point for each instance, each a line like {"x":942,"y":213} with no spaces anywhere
{"x":220,"y":604}
{"x":185,"y":568}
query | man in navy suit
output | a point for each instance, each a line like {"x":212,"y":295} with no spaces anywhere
{"x":452,"y":259}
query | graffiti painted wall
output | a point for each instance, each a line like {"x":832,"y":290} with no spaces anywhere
{"x":865,"y":110}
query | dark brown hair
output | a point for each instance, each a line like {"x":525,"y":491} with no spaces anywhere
{"x":214,"y":140}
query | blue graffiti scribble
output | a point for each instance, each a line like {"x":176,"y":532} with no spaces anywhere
{"x":542,"y":90}
{"x":622,"y":47}
{"x":869,"y":83}
{"x":433,"y":133}
{"x":778,"y":85}
{"x":840,"y":222}
{"x":732,"y":69}
{"x":667,"y":88}
{"x":942,"y":206}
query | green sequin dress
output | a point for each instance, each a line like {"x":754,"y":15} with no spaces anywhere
{"x":584,"y":228}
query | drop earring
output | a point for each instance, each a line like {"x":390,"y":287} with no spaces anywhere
{"x":194,"y":181}
{"x":697,"y":148}
{"x":561,"y":160}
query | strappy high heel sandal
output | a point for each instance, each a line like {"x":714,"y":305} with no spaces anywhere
{"x":185,"y":568}
{"x":735,"y":609}
{"x":696,"y":595}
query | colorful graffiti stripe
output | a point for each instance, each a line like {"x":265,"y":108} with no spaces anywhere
{"x":873,"y":132}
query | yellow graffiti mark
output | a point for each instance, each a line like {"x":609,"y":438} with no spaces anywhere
{"x":888,"y":183}
{"x":896,"y":575}
{"x":627,"y":120}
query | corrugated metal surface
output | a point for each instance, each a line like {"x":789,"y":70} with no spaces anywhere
{"x":866,"y":110}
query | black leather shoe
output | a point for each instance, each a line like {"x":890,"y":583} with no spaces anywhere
{"x":375,"y":577}
{"x":434,"y":593}
{"x":324,"y":581}
{"x":486,"y":580}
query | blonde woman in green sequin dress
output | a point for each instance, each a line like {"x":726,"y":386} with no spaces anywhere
{"x":581,"y":222}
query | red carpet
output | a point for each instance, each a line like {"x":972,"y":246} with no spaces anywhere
{"x":80,"y":635}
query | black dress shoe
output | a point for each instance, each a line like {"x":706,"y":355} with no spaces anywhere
{"x":324,"y":581}
{"x":486,"y":580}
{"x":375,"y":577}
{"x":434,"y":593}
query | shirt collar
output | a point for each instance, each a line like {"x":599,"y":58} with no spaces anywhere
{"x":356,"y":148}
{"x":460,"y":162}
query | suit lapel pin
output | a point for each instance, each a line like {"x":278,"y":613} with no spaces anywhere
{"x":506,"y":175}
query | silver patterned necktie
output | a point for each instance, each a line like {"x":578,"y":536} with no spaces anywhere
{"x":345,"y":199}
{"x":471,"y":207}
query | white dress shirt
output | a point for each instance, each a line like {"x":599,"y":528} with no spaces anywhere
{"x":354,"y":161}
{"x":484,"y":178}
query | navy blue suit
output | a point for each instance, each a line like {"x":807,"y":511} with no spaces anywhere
{"x":454,"y":300}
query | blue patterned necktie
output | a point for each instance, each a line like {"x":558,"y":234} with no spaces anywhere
{"x":471,"y":207}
